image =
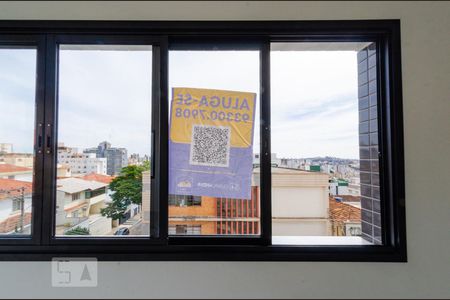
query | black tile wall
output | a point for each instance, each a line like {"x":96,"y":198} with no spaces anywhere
{"x":365,"y":177}
{"x":364,"y":127}
{"x":364,"y":115}
{"x":363,"y":103}
{"x":364,"y":165}
{"x":364,"y":140}
{"x":374,"y":138}
{"x":376,"y":219}
{"x":374,"y":152}
{"x":372,"y":60}
{"x":368,"y":145}
{"x":375,"y":179}
{"x":366,"y":202}
{"x":364,"y":153}
{"x":372,"y":73}
{"x":373,"y":125}
{"x":376,"y":205}
{"x":363,"y":90}
{"x":366,"y":216}
{"x":373,"y":99}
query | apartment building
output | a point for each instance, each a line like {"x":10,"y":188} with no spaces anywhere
{"x":81,"y":163}
{"x":17,"y":159}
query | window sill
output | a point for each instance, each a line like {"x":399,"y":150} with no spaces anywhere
{"x":318,"y":240}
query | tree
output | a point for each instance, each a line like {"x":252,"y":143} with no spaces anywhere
{"x":126,"y":189}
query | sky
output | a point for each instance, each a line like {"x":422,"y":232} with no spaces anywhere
{"x":17,"y":96}
{"x":106,"y":95}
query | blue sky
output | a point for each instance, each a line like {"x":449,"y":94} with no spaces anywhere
{"x":105,"y":95}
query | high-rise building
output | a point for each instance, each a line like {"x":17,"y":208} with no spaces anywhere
{"x":116,"y":158}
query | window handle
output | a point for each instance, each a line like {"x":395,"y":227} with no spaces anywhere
{"x":39,"y":138}
{"x":152,"y":160}
{"x":48,"y":138}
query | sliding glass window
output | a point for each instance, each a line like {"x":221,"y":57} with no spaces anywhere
{"x":104,"y":140}
{"x":214,"y":142}
{"x":325,"y":174}
{"x":18,"y":73}
{"x":202,"y":141}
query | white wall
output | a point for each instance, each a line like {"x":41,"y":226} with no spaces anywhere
{"x":302,"y":202}
{"x":300,"y":227}
{"x":426,"y":90}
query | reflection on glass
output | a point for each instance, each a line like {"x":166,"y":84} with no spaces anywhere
{"x":316,"y":126}
{"x":214,"y":141}
{"x":104,"y":133}
{"x":17,"y":102}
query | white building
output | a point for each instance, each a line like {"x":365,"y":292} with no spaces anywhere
{"x":299,"y":202}
{"x":8,"y":171}
{"x":6,"y":148}
{"x":78,"y":204}
{"x":273,"y":159}
{"x":80,"y":163}
{"x":338,"y":187}
{"x":17,"y":159}
{"x":354,"y":186}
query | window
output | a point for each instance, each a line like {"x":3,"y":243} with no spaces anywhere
{"x":106,"y":87}
{"x":327,"y":177}
{"x":185,"y":200}
{"x":212,"y":158}
{"x":76,"y":196}
{"x":17,"y":126}
{"x":202,"y":140}
{"x":16,"y":204}
{"x":185,"y":229}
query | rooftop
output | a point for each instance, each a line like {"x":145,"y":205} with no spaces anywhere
{"x":98,"y":178}
{"x":7,"y":168}
{"x":343,"y":212}
{"x":12,"y":188}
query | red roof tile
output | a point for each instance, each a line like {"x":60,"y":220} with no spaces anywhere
{"x":343,"y":212}
{"x":13,"y":221}
{"x":10,"y":188}
{"x":7,"y":168}
{"x":98,"y":178}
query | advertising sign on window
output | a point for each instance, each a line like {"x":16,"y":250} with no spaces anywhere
{"x":210,"y":144}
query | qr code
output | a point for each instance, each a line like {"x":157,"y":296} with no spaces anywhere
{"x":210,"y":146}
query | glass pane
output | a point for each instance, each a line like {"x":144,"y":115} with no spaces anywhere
{"x":214,"y":133}
{"x":325,"y":187}
{"x":104,"y":140}
{"x":17,"y":121}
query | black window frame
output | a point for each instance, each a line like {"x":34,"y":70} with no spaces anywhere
{"x":46,"y":35}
